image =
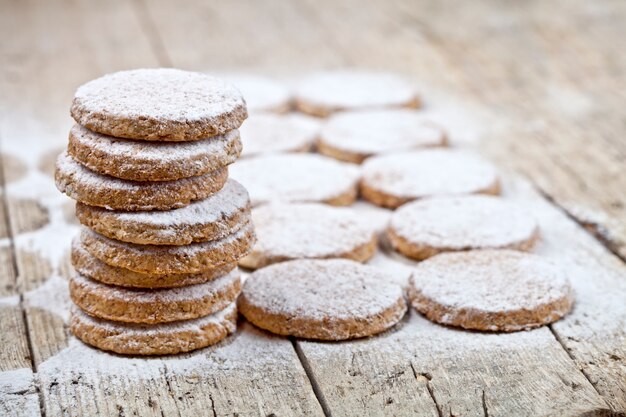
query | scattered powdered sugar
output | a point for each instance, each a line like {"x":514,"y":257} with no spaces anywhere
{"x":53,"y":296}
{"x":163,"y":94}
{"x":226,"y":202}
{"x":378,"y":131}
{"x":308,"y":230}
{"x":10,"y":301}
{"x":491,"y":280}
{"x":429,"y":172}
{"x":166,"y":295}
{"x":16,"y":381}
{"x":377,"y":217}
{"x":354,"y":90}
{"x":270,"y":133}
{"x":463,"y":222}
{"x":158,"y":152}
{"x":262,"y":94}
{"x":322,"y":289}
{"x":294,"y":177}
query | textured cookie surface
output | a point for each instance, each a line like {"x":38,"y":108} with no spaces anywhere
{"x":354,"y":136}
{"x":297,"y":178}
{"x":297,"y":231}
{"x":269,"y":133}
{"x":423,"y":228}
{"x":262,"y":94}
{"x":156,"y":161}
{"x":160,"y":260}
{"x":90,"y":266}
{"x":491,"y":290}
{"x":154,"y":306}
{"x":91,"y":188}
{"x":322,"y":299}
{"x":209,"y":219}
{"x":394,"y":179}
{"x":160,"y":104}
{"x":324,"y":93}
{"x":159,"y":339}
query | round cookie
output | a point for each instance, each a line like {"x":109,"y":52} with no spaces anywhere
{"x":270,"y":133}
{"x":297,"y":178}
{"x":333,"y":299}
{"x":210,"y":219}
{"x":160,"y":260}
{"x":316,"y":231}
{"x":154,"y":306}
{"x":159,"y":339}
{"x":327,"y":92}
{"x":159,"y":104}
{"x":93,"y":189}
{"x":394,"y":179}
{"x":88,"y":265}
{"x":490,"y":290}
{"x":354,"y":136}
{"x":262,"y":94}
{"x":426,"y":227}
{"x":159,"y":161}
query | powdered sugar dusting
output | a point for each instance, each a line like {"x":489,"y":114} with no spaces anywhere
{"x":374,"y":132}
{"x":312,"y":230}
{"x":429,"y":172}
{"x":53,"y":296}
{"x":491,"y":280}
{"x":269,"y":133}
{"x":463,"y":222}
{"x":322,"y":289}
{"x":262,"y":94}
{"x":294,"y":177}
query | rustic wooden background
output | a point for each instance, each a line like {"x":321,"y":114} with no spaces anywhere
{"x":547,"y":79}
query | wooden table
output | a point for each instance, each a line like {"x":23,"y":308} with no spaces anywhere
{"x":538,"y":86}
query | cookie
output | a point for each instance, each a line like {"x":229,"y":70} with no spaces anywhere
{"x":210,"y":219}
{"x":161,"y":161}
{"x":319,"y":231}
{"x":88,"y":265}
{"x":93,"y":189}
{"x":154,"y":306}
{"x":324,"y":93}
{"x":159,"y":104}
{"x":159,"y":339}
{"x":297,"y":178}
{"x":270,"y":133}
{"x":262,"y":94}
{"x":160,"y":260}
{"x":490,"y":290}
{"x":354,"y":136}
{"x":394,"y":179}
{"x":333,"y":299}
{"x":424,"y":228}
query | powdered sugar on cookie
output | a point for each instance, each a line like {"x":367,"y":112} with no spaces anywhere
{"x":268,"y":133}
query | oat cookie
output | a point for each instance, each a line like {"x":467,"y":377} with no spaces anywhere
{"x":491,"y":290}
{"x":319,"y":231}
{"x":150,"y":306}
{"x":354,"y":136}
{"x":426,"y":227}
{"x":394,"y":179}
{"x":270,"y":133}
{"x":159,"y":104}
{"x":93,"y":189}
{"x":159,"y":339}
{"x":210,"y":219}
{"x":297,"y":178}
{"x":327,"y":92}
{"x":262,"y":94}
{"x":322,"y":299}
{"x":188,"y":259}
{"x":158,"y":161}
{"x":88,"y":265}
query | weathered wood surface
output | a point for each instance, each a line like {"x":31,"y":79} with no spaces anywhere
{"x":545,"y":78}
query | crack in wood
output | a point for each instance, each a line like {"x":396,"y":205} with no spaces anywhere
{"x":428,"y":377}
{"x":311,"y":377}
{"x":484,"y":401}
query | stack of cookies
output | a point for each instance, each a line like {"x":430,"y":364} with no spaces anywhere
{"x":147,"y":163}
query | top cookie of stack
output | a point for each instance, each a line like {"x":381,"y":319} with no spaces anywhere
{"x":147,"y":163}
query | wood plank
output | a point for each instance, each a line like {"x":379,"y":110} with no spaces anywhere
{"x":471,"y":373}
